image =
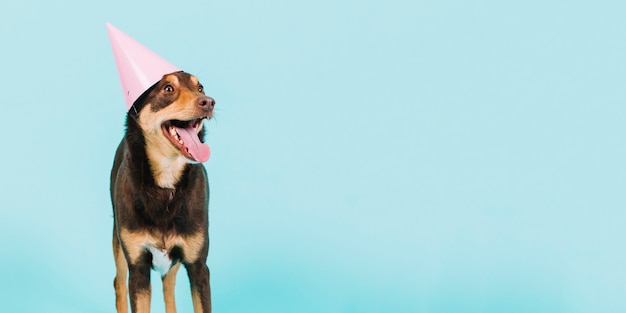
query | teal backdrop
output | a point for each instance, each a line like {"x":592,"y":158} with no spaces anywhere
{"x":367,"y":156}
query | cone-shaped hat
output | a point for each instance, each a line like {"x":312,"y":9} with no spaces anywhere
{"x":139,"y":68}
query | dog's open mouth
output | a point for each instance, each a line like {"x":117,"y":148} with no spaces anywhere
{"x":184,"y":136}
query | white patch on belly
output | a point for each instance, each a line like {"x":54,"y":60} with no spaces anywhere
{"x":160,"y":260}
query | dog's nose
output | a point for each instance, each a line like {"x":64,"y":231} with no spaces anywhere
{"x":206,"y":103}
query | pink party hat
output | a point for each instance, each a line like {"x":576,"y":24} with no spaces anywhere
{"x":139,"y":68}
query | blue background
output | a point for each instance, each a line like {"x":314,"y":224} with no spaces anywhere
{"x":367,"y":156}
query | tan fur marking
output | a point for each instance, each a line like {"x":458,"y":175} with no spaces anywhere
{"x":197,"y":303}
{"x":136,"y":243}
{"x":121,"y":287}
{"x":169,"y":283}
{"x":172,"y":79}
{"x":192,"y":245}
{"x":143,"y":302}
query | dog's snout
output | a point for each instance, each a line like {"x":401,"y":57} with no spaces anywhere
{"x":206,"y":103}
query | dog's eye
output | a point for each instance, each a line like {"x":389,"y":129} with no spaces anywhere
{"x":168,"y":89}
{"x":200,"y":88}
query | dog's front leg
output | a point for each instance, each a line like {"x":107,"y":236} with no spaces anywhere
{"x":139,"y":284}
{"x":200,"y":287}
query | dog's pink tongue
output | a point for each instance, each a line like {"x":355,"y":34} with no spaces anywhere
{"x":198,"y":150}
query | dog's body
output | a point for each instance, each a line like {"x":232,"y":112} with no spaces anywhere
{"x":160,"y":195}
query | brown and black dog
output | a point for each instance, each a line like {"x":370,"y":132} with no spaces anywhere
{"x":160,"y":194}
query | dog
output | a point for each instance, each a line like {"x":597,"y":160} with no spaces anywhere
{"x":160,"y":194}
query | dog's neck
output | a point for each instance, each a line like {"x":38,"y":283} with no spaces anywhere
{"x":166,"y":170}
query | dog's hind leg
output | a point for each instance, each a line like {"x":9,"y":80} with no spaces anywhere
{"x":121,"y":288}
{"x":169,"y":281}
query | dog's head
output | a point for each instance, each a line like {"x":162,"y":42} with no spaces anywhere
{"x":171,"y":114}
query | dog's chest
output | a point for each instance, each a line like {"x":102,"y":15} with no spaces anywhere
{"x":161,"y":259}
{"x":161,"y":250}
